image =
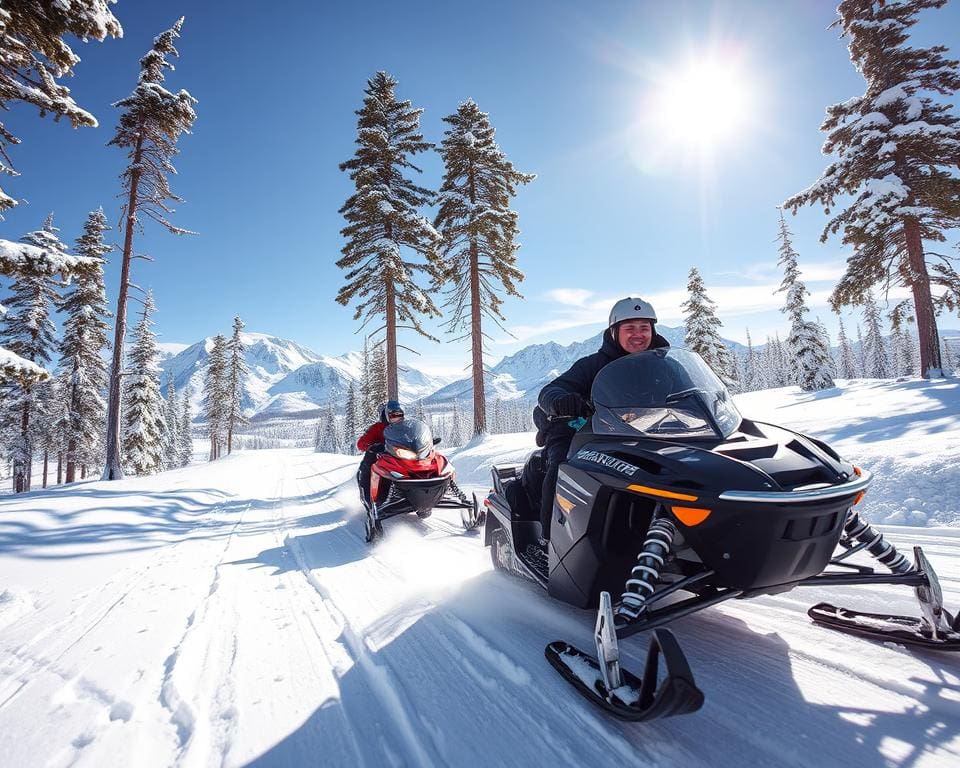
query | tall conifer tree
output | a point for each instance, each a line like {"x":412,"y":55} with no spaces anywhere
{"x":215,"y":394}
{"x":236,"y":375}
{"x":383,"y":220}
{"x":152,"y":121}
{"x":28,"y":332}
{"x":479,"y":234}
{"x":703,"y":329}
{"x":809,"y":355}
{"x":143,"y":417}
{"x":82,"y":364}
{"x":898,"y":151}
{"x":876,"y":360}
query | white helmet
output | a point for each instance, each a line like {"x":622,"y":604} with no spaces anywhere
{"x":631,"y":309}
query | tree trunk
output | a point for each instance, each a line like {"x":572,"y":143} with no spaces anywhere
{"x":46,"y":463}
{"x":22,"y":482}
{"x":476,"y":329}
{"x":392,"y":379}
{"x":59,"y":467}
{"x":112,"y":469}
{"x":476,"y":341}
{"x":930,"y":364}
{"x":71,"y":462}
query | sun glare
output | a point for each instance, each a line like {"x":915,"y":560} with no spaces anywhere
{"x":704,"y":104}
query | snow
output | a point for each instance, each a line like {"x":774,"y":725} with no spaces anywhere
{"x":230,"y":613}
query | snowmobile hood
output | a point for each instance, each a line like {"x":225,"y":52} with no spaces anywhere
{"x":663,"y":393}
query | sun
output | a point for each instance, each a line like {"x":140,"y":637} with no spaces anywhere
{"x":704,"y":104}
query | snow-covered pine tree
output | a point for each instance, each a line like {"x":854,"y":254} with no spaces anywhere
{"x":82,"y":364}
{"x":418,"y":412}
{"x":33,"y":55}
{"x":143,"y":423}
{"x":902,"y":348}
{"x":479,"y":230}
{"x":45,"y":419}
{"x":876,"y":362}
{"x":151,"y":123}
{"x":171,"y":433}
{"x":236,"y":374}
{"x":215,"y":397}
{"x":861,"y":352}
{"x":751,"y":368}
{"x":27,"y":331}
{"x":455,"y":433}
{"x":846,"y":361}
{"x":702,"y":330}
{"x":377,"y":382}
{"x":351,"y":422}
{"x":185,"y":453}
{"x":898,"y":151}
{"x":807,"y":353}
{"x":382,"y":219}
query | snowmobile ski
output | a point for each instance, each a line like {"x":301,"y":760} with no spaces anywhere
{"x":908,"y":630}
{"x":636,"y":699}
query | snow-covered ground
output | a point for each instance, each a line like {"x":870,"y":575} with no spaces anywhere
{"x":231,"y":614}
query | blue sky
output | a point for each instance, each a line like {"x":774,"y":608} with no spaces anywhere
{"x":621,"y":205}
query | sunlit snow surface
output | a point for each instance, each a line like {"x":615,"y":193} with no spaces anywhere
{"x":231,"y":614}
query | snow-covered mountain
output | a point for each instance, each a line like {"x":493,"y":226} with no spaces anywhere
{"x":285,"y":378}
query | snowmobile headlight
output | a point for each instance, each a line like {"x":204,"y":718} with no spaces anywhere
{"x":396,"y":474}
{"x":404,"y":453}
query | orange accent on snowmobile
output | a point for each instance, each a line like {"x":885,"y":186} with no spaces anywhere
{"x":691,"y":516}
{"x":663,"y":494}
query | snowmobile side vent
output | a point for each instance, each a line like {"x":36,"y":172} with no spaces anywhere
{"x":800,"y":528}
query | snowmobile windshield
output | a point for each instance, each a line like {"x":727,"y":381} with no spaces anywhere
{"x":408,"y":439}
{"x":669,"y":393}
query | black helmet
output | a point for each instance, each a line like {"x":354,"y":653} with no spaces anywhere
{"x":390,"y":408}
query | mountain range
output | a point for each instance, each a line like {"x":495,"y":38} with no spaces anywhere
{"x":287,"y":380}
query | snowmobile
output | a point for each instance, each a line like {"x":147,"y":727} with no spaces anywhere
{"x":673,"y":500}
{"x":411,"y":476}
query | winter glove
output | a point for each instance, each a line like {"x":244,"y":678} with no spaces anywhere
{"x":570,"y":404}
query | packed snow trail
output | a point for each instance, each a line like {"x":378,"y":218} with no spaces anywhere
{"x":231,"y":614}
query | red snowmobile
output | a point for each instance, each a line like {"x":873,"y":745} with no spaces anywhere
{"x":410,"y":476}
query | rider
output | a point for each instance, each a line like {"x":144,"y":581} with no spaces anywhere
{"x":371,"y":442}
{"x":631,"y":328}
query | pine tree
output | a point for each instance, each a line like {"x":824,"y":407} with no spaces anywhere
{"x":377,"y":381}
{"x":702,"y":329}
{"x":382,"y":220}
{"x":809,"y":355}
{"x":143,"y":416}
{"x":45,"y":419}
{"x":479,"y":234}
{"x":172,"y":439}
{"x":455,"y":436}
{"x":751,"y":368}
{"x":846,"y":361}
{"x":185,"y":454}
{"x":28,"y":332}
{"x":151,"y":123}
{"x":33,"y":55}
{"x":898,"y":152}
{"x":351,"y":424}
{"x":876,"y":362}
{"x":215,"y":394}
{"x":418,"y":412}
{"x":81,"y":351}
{"x":862,"y":352}
{"x":236,"y":374}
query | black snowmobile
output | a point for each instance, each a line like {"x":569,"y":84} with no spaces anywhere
{"x":411,"y":476}
{"x":668,"y":491}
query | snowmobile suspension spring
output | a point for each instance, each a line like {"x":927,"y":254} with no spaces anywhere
{"x":459,"y":494}
{"x":860,"y":530}
{"x":646,"y":573}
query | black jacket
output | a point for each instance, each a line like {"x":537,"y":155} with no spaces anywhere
{"x":579,"y":379}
